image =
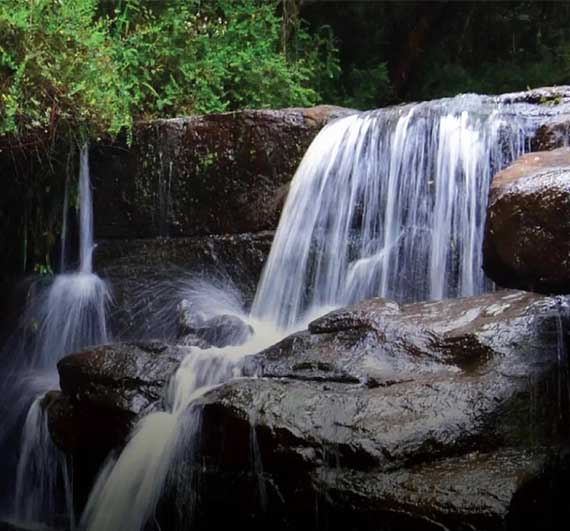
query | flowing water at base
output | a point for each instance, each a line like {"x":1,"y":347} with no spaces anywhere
{"x":135,"y":478}
{"x":43,"y":481}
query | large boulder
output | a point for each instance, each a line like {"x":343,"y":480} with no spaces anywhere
{"x":527,"y":233}
{"x":427,"y":416}
{"x":211,"y":174}
{"x":105,"y":389}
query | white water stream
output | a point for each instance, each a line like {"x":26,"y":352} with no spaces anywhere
{"x":64,"y":316}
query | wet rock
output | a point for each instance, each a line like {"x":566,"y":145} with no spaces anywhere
{"x":527,"y":234}
{"x":473,"y":491}
{"x":224,"y":330}
{"x":546,"y":96}
{"x":553,"y":134}
{"x":192,"y":340}
{"x":219,"y":331}
{"x":212,"y":174}
{"x":188,"y":318}
{"x":428,"y":415}
{"x":149,"y":277}
{"x":122,"y":380}
{"x":424,"y":416}
{"x":105,"y":390}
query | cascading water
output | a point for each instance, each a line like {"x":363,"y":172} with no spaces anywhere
{"x":42,"y":472}
{"x":61,"y":317}
{"x":129,"y":486}
{"x":387,"y":203}
{"x":390,"y":203}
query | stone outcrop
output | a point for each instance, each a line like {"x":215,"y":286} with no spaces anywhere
{"x":424,"y":416}
{"x":555,"y":133}
{"x":527,"y":234}
{"x":105,"y":389}
{"x":211,"y":174}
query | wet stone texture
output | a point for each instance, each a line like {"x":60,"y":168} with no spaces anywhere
{"x":212,"y":174}
{"x":148,"y":276}
{"x":527,"y":234}
{"x":426,"y":416}
{"x":555,"y":133}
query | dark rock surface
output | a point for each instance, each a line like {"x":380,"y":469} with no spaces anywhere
{"x":148,"y":275}
{"x":424,"y":416}
{"x":218,"y":331}
{"x":527,"y":234}
{"x":212,"y":174}
{"x":555,"y":133}
{"x":105,"y":389}
{"x":224,"y":330}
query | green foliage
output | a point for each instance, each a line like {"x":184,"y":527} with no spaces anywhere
{"x":202,"y":57}
{"x":95,"y":66}
{"x":56,"y":69}
{"x":369,"y":85}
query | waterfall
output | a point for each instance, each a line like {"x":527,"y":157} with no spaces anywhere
{"x":85,"y":214}
{"x":63,"y":237}
{"x":387,"y":203}
{"x":71,"y":312}
{"x":62,"y":316}
{"x":390,"y":203}
{"x":42,"y":471}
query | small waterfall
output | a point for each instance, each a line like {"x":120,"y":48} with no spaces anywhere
{"x":63,"y":238}
{"x":42,"y":472}
{"x":390,"y":203}
{"x":85,"y":214}
{"x":71,"y":312}
{"x":64,"y":316}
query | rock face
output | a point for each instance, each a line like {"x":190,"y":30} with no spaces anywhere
{"x":425,"y":416}
{"x":553,"y":134}
{"x":114,"y":384}
{"x":104,"y":391}
{"x":527,"y":235}
{"x":212,"y":174}
{"x":422,"y":416}
{"x":149,"y":277}
{"x":219,"y":331}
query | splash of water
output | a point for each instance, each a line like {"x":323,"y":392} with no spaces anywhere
{"x":390,"y":203}
{"x":128,"y":488}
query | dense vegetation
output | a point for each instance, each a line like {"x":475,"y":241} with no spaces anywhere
{"x":97,"y":65}
{"x":434,"y":49}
